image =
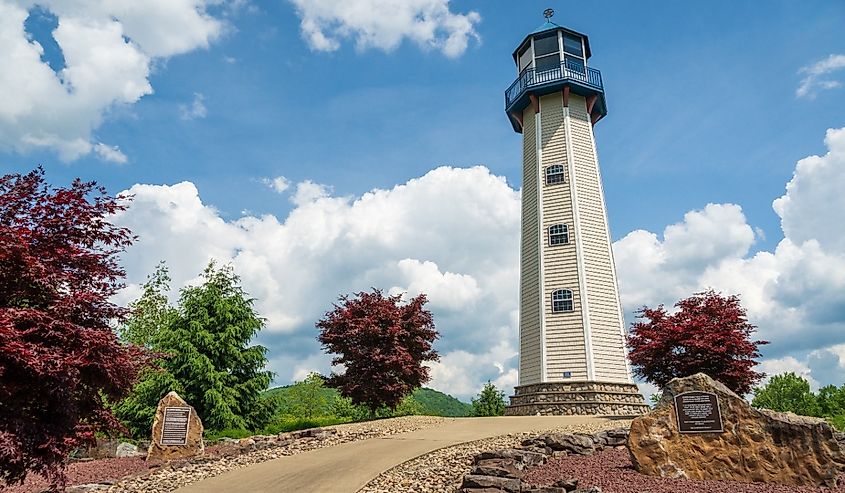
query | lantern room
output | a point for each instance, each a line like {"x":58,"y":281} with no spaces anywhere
{"x":553,"y":58}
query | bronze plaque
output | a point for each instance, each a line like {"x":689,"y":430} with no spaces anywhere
{"x":698,"y":412}
{"x":174,"y":430}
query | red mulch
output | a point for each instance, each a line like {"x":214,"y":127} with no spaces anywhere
{"x":95,"y":471}
{"x":611,"y":470}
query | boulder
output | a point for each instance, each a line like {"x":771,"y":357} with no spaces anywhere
{"x":754,"y":446}
{"x":125,"y":449}
{"x":182,"y":437}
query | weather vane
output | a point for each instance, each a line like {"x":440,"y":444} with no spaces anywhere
{"x":548,"y":13}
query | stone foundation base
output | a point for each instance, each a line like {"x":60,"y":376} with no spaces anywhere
{"x":577,"y":398}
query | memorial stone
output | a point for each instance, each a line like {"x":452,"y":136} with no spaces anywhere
{"x":702,"y":430}
{"x":177,"y":430}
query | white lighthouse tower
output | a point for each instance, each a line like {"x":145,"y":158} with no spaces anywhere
{"x":572,"y":358}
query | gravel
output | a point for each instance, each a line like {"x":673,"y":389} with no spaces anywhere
{"x":97,"y":471}
{"x":611,"y":470}
{"x":442,"y":470}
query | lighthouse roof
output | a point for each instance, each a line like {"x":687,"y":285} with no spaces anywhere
{"x":551,"y":26}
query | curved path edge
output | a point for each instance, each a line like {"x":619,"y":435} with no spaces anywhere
{"x":348,"y":467}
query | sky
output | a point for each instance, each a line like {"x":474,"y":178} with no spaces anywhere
{"x":323,"y":147}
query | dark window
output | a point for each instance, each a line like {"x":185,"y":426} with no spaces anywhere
{"x":558,"y":234}
{"x":572,"y":45}
{"x":546,"y":45}
{"x":550,"y":62}
{"x":567,"y":374}
{"x":554,"y":174}
{"x":562,"y":301}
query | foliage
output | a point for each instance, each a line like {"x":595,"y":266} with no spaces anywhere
{"x":307,"y":398}
{"x":425,"y":401}
{"x":208,"y":360}
{"x":408,"y":407}
{"x":490,"y":401}
{"x":790,"y":392}
{"x":654,"y":399}
{"x":436,"y":403}
{"x":59,"y":356}
{"x":787,"y":392}
{"x":382,"y":345}
{"x":709,"y":333}
{"x":151,"y":311}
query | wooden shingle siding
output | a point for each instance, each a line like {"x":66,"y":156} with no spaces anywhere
{"x":605,"y":322}
{"x":565,"y":347}
{"x":530,"y":330}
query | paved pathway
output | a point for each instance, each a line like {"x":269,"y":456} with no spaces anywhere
{"x":347,"y":467}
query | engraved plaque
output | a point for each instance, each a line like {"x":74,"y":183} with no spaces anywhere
{"x":698,"y":412}
{"x":174,"y":430}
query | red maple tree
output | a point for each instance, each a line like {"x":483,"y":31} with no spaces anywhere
{"x":59,"y":356}
{"x":382,"y":346}
{"x":709,"y":333}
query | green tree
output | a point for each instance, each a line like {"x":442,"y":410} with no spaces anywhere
{"x":787,"y":392}
{"x":307,"y":398}
{"x":490,"y":401}
{"x":408,"y":407}
{"x":207,"y":356}
{"x":151,"y":312}
{"x":831,"y":400}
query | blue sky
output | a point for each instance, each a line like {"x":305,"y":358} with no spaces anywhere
{"x":704,"y":107}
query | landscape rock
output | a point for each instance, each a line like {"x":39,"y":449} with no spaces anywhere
{"x":522,"y":458}
{"x":755,"y":446}
{"x":613,"y":438}
{"x":194,"y":445}
{"x":505,"y":468}
{"x":474,"y":482}
{"x":125,"y":449}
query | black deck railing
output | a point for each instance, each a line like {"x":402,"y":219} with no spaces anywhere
{"x":568,"y":70}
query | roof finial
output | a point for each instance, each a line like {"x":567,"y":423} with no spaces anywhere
{"x":548,"y":13}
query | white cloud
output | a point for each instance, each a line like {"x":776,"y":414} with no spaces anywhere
{"x":445,"y":290}
{"x":815,"y":78}
{"x":772,"y":367}
{"x":194,"y":110}
{"x":278,"y":184}
{"x":308,"y":192}
{"x":110,"y":153}
{"x":452,"y":233}
{"x":108,"y":49}
{"x":384,"y":24}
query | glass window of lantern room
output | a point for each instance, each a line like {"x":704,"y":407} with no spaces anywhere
{"x":573,"y":49}
{"x":526,"y":58}
{"x":546,"y":52}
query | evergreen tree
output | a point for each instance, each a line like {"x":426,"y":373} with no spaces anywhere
{"x":207,"y":356}
{"x":490,"y":402}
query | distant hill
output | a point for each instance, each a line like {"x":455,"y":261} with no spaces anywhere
{"x":439,"y":404}
{"x":433,"y":402}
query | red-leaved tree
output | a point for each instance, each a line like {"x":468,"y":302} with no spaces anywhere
{"x":709,"y":333}
{"x":59,"y":357}
{"x":382,"y":345}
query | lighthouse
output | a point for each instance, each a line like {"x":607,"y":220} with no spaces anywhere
{"x":572,"y":358}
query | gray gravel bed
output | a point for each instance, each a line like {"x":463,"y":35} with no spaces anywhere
{"x":441,"y":471}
